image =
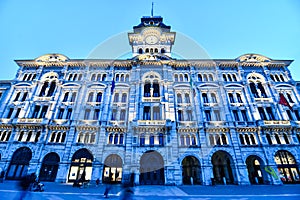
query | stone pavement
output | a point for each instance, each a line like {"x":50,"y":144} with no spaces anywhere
{"x":178,"y":192}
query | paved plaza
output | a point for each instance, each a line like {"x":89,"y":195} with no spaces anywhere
{"x":62,"y":191}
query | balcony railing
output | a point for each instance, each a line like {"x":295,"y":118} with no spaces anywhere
{"x":151,"y":122}
{"x":187,"y":123}
{"x":151,"y":99}
{"x":30,"y":120}
{"x":117,"y":123}
{"x":276,"y":122}
{"x":42,"y":98}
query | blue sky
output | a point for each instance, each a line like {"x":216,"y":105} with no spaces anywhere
{"x":224,"y":28}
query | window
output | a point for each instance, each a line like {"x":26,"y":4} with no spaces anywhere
{"x":231,"y":99}
{"x":24,"y":96}
{"x":297,"y":114}
{"x":289,"y":98}
{"x":179,"y":98}
{"x":156,"y":113}
{"x":189,"y":115}
{"x":270,"y":113}
{"x":122,"y":115}
{"x":116,"y":97}
{"x":204,"y":97}
{"x":155,"y":89}
{"x":99,"y":97}
{"x":239,"y":98}
{"x":200,"y":77}
{"x":253,"y":90}
{"x":187,"y":98}
{"x":124,"y":97}
{"x":236,"y":115}
{"x":213,"y":98}
{"x":277,"y":139}
{"x":18,"y":112}
{"x":96,"y":114}
{"x":90,"y":97}
{"x":11,"y":110}
{"x":244,"y":115}
{"x":66,"y":97}
{"x":114,"y":114}
{"x":269,"y":139}
{"x":217,"y":115}
{"x":242,"y":139}
{"x":207,"y":115}
{"x":44,"y":111}
{"x":87,"y":114}
{"x":147,"y":87}
{"x":286,"y":139}
{"x":288,"y":112}
{"x":73,"y":97}
{"x":161,"y":139}
{"x":36,"y":111}
{"x":151,"y":140}
{"x":17,"y":96}
{"x":180,"y":116}
{"x":147,"y":114}
{"x":262,"y":90}
{"x":142,"y":140}
{"x":51,"y":89}
{"x":69,"y":113}
{"x":262,"y":113}
{"x":60,"y":113}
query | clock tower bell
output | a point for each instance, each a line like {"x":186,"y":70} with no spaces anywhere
{"x":151,"y":36}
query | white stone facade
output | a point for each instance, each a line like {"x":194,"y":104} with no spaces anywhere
{"x":167,"y":121}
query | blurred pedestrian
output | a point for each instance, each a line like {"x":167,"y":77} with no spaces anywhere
{"x":108,"y":185}
{"x":128,"y":191}
{"x":24,"y":185}
{"x":97,"y":182}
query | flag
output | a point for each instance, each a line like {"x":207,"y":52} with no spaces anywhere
{"x":283,"y":101}
{"x":112,"y":86}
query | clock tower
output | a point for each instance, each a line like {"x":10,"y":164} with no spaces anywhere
{"x":151,"y":36}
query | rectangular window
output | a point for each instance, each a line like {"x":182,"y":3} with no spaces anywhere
{"x":288,"y":112}
{"x":239,"y":98}
{"x":122,"y":115}
{"x":147,"y":115}
{"x":11,"y":110}
{"x":207,"y":115}
{"x":96,"y":114}
{"x":189,"y":115}
{"x":69,"y":113}
{"x":87,"y":114}
{"x":156,"y":113}
{"x":231,"y":99}
{"x":297,"y":114}
{"x":60,"y":113}
{"x":236,"y":115}
{"x":244,"y":115}
{"x":24,"y":96}
{"x":114,"y":114}
{"x":262,"y":113}
{"x":217,"y":115}
{"x":270,"y":113}
{"x":204,"y":97}
{"x":17,"y":113}
{"x":44,"y":111}
{"x":36,"y":112}
{"x":180,"y":117}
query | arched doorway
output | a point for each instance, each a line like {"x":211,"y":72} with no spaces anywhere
{"x":19,"y":163}
{"x":49,"y":167}
{"x":287,"y":167}
{"x":191,"y":169}
{"x":152,"y":169}
{"x":112,"y":171}
{"x":255,"y":173}
{"x":82,"y":161}
{"x":222,"y":168}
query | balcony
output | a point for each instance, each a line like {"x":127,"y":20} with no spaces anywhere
{"x":32,"y":121}
{"x":5,"y":120}
{"x":210,"y":104}
{"x":117,"y":123}
{"x":263,"y":99}
{"x":42,"y":98}
{"x":187,"y":123}
{"x":274,"y":122}
{"x":151,"y":99}
{"x":151,"y":122}
{"x":215,"y":123}
{"x":61,"y":121}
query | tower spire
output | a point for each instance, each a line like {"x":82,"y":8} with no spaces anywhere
{"x":152,"y":10}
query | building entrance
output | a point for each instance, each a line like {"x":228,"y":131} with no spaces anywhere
{"x":152,"y":169}
{"x":49,"y":168}
{"x":112,"y":172}
{"x":191,"y":171}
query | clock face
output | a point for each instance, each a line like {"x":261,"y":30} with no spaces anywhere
{"x":151,"y":39}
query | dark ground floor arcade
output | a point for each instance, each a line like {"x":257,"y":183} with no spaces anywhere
{"x":151,"y":168}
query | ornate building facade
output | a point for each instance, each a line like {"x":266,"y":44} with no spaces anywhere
{"x":169,"y":121}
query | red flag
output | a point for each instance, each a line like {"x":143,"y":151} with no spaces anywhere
{"x":283,"y":101}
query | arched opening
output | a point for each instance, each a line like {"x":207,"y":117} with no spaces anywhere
{"x":19,"y":163}
{"x":191,"y":171}
{"x":49,"y":167}
{"x":255,"y":168}
{"x":82,"y":161}
{"x":140,"y":50}
{"x":223,"y":168}
{"x":112,"y":171}
{"x":152,"y":169}
{"x":162,"y":50}
{"x":287,"y":167}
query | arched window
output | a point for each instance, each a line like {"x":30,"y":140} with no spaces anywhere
{"x":116,"y":139}
{"x":213,"y":98}
{"x":66,"y":97}
{"x":98,"y":77}
{"x":90,"y":97}
{"x":286,"y":139}
{"x":188,"y":140}
{"x":75,"y":77}
{"x":204,"y":77}
{"x":253,"y":90}
{"x":277,"y":78}
{"x":147,"y":87}
{"x":277,"y":139}
{"x":156,"y":50}
{"x":73,"y":97}
{"x":289,"y":97}
{"x":43,"y":90}
{"x":269,"y":139}
{"x":51,"y":89}
{"x":179,"y":98}
{"x":17,"y":96}
{"x":151,"y":140}
{"x":194,"y":140}
{"x":211,"y":139}
{"x":156,"y":90}
{"x":204,"y":97}
{"x":282,"y":78}
{"x":103,"y":77}
{"x":161,"y":139}
{"x":121,"y":138}
{"x":140,"y":50}
{"x":124,"y":97}
{"x":224,"y":139}
{"x":142,"y":140}
{"x":252,"y":138}
{"x":229,"y":77}
{"x":224,"y":77}
{"x":234,"y":77}
{"x":24,"y":77}
{"x":210,"y":77}
{"x":147,"y":50}
{"x":218,"y":139}
{"x":93,"y":78}
{"x":99,"y":97}
{"x":239,"y":98}
{"x":162,"y":50}
{"x":272,"y":77}
{"x":186,"y":77}
{"x":200,"y":77}
{"x":117,"y":78}
{"x":110,"y":138}
{"x":127,"y":78}
{"x":231,"y":99}
{"x":116,"y":97}
{"x":247,"y":139}
{"x":182,"y":140}
{"x":176,"y":77}
{"x":241,"y":139}
{"x":187,"y":98}
{"x":181,"y":77}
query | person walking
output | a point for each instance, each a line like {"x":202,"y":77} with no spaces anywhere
{"x":108,"y":186}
